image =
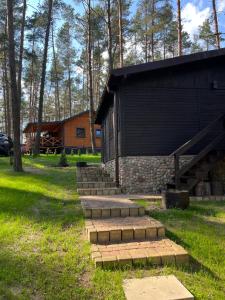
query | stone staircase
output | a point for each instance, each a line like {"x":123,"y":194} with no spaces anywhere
{"x":119,"y":231}
{"x":95,"y":181}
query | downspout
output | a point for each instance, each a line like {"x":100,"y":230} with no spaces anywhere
{"x":115,"y":123}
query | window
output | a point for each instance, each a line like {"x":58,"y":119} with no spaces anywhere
{"x":80,"y":132}
{"x":98,"y":133}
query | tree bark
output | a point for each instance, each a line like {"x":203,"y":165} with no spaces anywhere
{"x":7,"y":95}
{"x":17,"y":160}
{"x":43,"y":75}
{"x":152,"y":34}
{"x":20,"y":67}
{"x":70,"y":91}
{"x":56,"y":77}
{"x":91,"y":100}
{"x":120,"y":23}
{"x":109,"y":31}
{"x":179,"y":29}
{"x":217,"y":34}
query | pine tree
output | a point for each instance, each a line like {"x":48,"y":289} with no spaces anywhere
{"x":206,"y":35}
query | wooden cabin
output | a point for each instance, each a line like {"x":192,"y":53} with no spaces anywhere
{"x":163,"y":124}
{"x":71,"y":133}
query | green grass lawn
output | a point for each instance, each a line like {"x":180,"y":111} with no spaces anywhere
{"x":44,"y":254}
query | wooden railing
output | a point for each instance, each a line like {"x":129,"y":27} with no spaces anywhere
{"x":52,"y":142}
{"x":194,"y":141}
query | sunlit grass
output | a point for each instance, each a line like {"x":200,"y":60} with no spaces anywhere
{"x":44,"y":255}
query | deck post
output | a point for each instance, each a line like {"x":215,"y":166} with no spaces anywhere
{"x":176,"y":169}
{"x":116,"y":153}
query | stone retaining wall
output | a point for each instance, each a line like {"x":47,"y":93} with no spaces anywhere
{"x":144,"y":174}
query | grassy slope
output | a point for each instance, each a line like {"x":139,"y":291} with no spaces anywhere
{"x":43,"y":253}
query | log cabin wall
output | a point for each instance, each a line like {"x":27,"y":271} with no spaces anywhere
{"x":72,"y":140}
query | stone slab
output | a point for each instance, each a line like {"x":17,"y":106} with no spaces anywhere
{"x":156,"y":288}
{"x":157,"y":252}
{"x":138,"y":228}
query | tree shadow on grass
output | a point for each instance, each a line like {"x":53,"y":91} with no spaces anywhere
{"x":38,"y":275}
{"x":39,"y":207}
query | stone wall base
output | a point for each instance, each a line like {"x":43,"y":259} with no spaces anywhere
{"x":144,"y":174}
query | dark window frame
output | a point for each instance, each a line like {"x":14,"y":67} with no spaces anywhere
{"x":79,"y":135}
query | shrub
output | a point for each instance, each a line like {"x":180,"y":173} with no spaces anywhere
{"x":78,"y":152}
{"x":63,"y":160}
{"x":48,"y":151}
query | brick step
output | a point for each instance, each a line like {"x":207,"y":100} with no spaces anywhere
{"x":92,"y":171}
{"x":116,"y":230}
{"x":94,"y":179}
{"x":159,"y":252}
{"x":114,"y":212}
{"x":100,"y":191}
{"x":87,"y":185}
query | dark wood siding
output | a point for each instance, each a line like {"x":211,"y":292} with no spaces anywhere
{"x":161,"y":111}
{"x":108,"y":135}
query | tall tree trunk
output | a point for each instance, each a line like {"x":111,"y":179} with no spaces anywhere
{"x":152,"y":34}
{"x":17,"y":161}
{"x":7,"y":90}
{"x":217,"y":34}
{"x":43,"y":75}
{"x":56,"y":77}
{"x":146,"y":34}
{"x":91,"y":100}
{"x":109,"y":31}
{"x":7,"y":95}
{"x":120,"y":23}
{"x":179,"y":29}
{"x":4,"y":102}
{"x":20,"y":67}
{"x":70,"y":91}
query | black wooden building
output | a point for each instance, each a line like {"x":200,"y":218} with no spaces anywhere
{"x":150,"y":112}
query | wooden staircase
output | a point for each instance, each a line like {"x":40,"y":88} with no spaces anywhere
{"x":196,"y":170}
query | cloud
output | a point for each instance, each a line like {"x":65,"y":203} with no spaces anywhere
{"x":221,"y":5}
{"x":193,"y":16}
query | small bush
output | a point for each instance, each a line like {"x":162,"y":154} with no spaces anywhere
{"x":78,"y":152}
{"x":63,"y":160}
{"x":48,"y":151}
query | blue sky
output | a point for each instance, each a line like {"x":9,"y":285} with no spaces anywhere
{"x":194,"y":12}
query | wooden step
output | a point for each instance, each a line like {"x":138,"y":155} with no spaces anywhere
{"x":116,"y":230}
{"x":88,"y":185}
{"x":100,"y":191}
{"x":159,"y":252}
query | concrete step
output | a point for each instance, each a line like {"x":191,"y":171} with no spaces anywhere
{"x":88,"y":185}
{"x":158,"y":252}
{"x":116,"y":230}
{"x":100,"y":191}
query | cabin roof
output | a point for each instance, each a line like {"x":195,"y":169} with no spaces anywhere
{"x":53,"y":126}
{"x":116,"y":75}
